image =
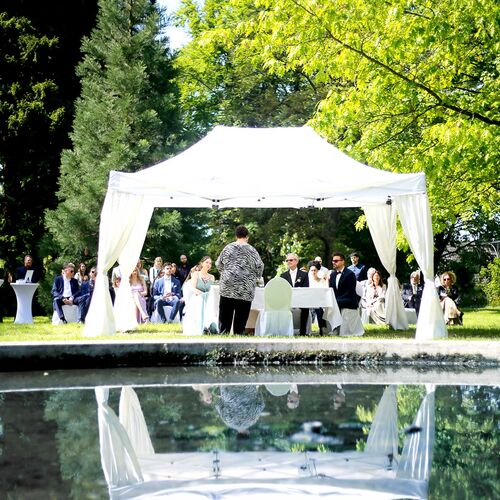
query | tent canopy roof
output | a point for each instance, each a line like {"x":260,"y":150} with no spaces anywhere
{"x":264,"y":167}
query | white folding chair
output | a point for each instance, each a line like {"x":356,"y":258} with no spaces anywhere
{"x":351,"y":323}
{"x":276,"y":318}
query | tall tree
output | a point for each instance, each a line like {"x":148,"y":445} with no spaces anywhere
{"x":126,"y":117}
{"x":38,"y":52}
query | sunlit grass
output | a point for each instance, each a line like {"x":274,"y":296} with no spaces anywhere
{"x":479,"y":324}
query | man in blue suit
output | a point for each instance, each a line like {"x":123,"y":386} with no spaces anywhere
{"x":66,"y":291}
{"x":167,"y":291}
{"x":343,"y":282}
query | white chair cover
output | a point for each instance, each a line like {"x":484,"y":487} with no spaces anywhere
{"x":132,"y":419}
{"x":411,"y":315}
{"x":351,"y":323}
{"x":383,"y":435}
{"x":70,"y":313}
{"x":118,"y":459}
{"x":276,"y":319}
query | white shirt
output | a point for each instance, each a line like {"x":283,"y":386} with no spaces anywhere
{"x":67,"y":288}
{"x":293,"y":275}
{"x":168,"y":285}
{"x":337,"y":278}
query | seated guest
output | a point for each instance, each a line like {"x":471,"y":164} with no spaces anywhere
{"x":142,"y":272}
{"x":368,"y":281}
{"x":200,"y":317}
{"x":412,"y":292}
{"x":139,"y":292}
{"x":167,"y":292}
{"x":448,"y":295}
{"x":374,"y":300}
{"x":175,"y":272}
{"x":363,"y":288}
{"x":66,"y":291}
{"x":297,"y":278}
{"x":317,"y":281}
{"x":28,"y":266}
{"x":87,"y":290}
{"x":81,"y":274}
{"x":357,"y":268}
{"x":151,"y":300}
{"x":183,"y":269}
{"x":155,"y":270}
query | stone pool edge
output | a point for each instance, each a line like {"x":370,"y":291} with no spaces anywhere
{"x":184,"y":352}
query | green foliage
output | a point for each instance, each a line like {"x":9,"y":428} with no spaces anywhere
{"x":125,"y":118}
{"x":415,"y":89}
{"x":309,"y":233}
{"x":490,"y":282}
{"x":220,"y":84}
{"x":31,"y":119}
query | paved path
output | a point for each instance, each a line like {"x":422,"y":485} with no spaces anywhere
{"x":106,"y":354}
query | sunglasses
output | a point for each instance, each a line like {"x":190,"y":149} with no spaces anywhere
{"x":336,"y":260}
{"x":290,"y":260}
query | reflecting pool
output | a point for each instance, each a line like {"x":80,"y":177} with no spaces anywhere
{"x":249,"y":433}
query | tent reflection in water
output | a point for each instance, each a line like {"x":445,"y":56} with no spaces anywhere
{"x":133,"y":470}
{"x":243,"y":167}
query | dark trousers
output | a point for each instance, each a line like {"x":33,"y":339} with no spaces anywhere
{"x":80,"y":302}
{"x":228,"y":308}
{"x":319,"y":315}
{"x":304,"y":318}
{"x":171,"y":301}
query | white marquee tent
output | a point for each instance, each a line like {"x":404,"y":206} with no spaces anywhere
{"x":261,"y":168}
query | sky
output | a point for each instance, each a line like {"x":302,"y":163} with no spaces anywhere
{"x":177,"y":36}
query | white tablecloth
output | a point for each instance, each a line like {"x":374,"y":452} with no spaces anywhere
{"x":24,"y":296}
{"x":311,"y":298}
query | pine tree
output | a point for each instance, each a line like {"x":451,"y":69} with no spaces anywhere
{"x":125,"y":119}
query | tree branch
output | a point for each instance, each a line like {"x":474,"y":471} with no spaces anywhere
{"x":439,"y":100}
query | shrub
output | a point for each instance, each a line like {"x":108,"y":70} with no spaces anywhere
{"x":490,"y":282}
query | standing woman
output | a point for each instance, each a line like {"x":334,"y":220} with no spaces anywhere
{"x":448,"y":295}
{"x":317,"y":280}
{"x":139,"y":292}
{"x":199,"y":311}
{"x":240,"y":267}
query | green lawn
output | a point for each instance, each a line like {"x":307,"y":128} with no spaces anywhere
{"x":479,"y":324}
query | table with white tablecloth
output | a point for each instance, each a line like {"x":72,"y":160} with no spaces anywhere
{"x":310,"y":298}
{"x":24,"y":295}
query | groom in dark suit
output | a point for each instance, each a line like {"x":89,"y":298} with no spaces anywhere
{"x":343,"y":282}
{"x":297,"y":278}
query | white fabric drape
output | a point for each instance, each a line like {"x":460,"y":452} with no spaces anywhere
{"x":132,"y":419}
{"x":416,"y":459}
{"x":124,"y":308}
{"x":415,"y":216}
{"x":383,"y":435}
{"x":118,"y":459}
{"x":119,"y":215}
{"x":382,"y":225}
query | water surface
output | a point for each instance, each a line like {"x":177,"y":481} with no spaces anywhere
{"x":305,"y":420}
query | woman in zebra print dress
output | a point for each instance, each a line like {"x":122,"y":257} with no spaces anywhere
{"x":240,"y":267}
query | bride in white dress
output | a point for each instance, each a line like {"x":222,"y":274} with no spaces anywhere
{"x":199,"y":314}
